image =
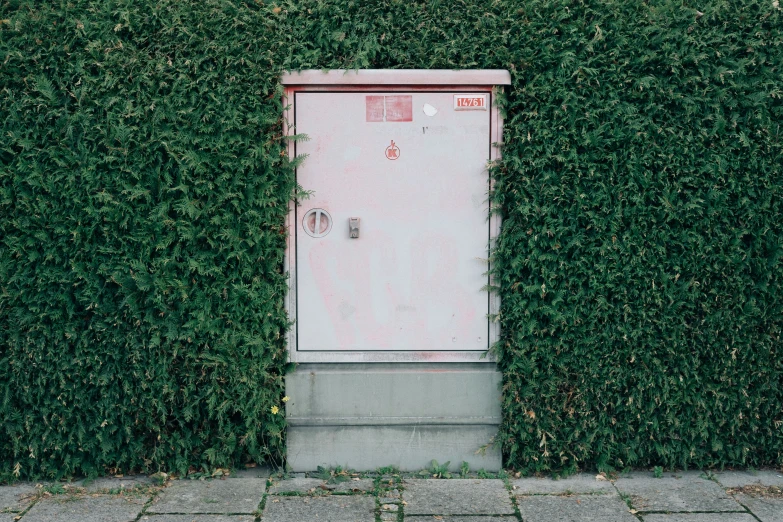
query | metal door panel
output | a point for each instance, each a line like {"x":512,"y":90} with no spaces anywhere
{"x":415,"y":278}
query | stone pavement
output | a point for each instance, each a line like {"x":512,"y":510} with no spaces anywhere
{"x":255,"y":496}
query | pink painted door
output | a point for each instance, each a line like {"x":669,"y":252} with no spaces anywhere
{"x":412,"y":167}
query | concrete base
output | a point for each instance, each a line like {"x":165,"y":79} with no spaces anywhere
{"x":409,"y":448}
{"x":366,"y":416}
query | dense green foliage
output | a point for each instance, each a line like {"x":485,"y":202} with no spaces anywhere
{"x":143,"y":192}
{"x":641,"y":261}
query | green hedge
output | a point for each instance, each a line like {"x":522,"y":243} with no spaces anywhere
{"x":144,"y":186}
{"x":144,"y":192}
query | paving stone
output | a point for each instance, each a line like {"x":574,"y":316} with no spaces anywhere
{"x":700,"y":517}
{"x":198,"y":518}
{"x":296,"y":485}
{"x":114,"y":483}
{"x":461,"y":518}
{"x":737,"y":479}
{"x":210,"y":496}
{"x":391,"y":496}
{"x":766,"y":509}
{"x":456,"y":497}
{"x":581,"y":483}
{"x":338,"y":508}
{"x":8,"y":517}
{"x":16,"y":498}
{"x":584,"y":508}
{"x":684,"y":491}
{"x":352,"y":486}
{"x":255,"y":472}
{"x":98,"y":508}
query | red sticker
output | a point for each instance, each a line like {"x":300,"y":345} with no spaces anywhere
{"x":399,"y":108}
{"x":470,"y":102}
{"x":374,"y":105}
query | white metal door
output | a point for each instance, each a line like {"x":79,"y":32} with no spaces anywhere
{"x":412,"y":167}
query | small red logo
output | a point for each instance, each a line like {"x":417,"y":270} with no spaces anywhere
{"x":392,"y":151}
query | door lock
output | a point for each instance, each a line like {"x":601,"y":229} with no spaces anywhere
{"x":353,"y":227}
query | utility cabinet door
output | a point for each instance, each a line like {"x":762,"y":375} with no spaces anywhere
{"x":412,"y":167}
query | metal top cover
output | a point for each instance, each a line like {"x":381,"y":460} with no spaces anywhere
{"x":398,"y":77}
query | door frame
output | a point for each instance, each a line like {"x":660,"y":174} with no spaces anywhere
{"x":387,"y":81}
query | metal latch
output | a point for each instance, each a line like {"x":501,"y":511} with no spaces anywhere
{"x":353,"y":228}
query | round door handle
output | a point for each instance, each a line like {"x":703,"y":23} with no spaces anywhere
{"x":317,"y":222}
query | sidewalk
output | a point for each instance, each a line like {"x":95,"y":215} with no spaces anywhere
{"x":253,"y":496}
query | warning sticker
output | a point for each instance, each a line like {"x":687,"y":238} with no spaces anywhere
{"x":399,"y":108}
{"x":389,"y":108}
{"x":374,"y":106}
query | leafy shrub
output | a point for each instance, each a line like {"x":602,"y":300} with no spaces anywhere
{"x":143,"y":194}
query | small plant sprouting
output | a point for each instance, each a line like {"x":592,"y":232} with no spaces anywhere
{"x":657,"y":472}
{"x":332,"y":476}
{"x":440,"y":471}
{"x":54,"y":489}
{"x":708,"y":475}
{"x":464,"y":469}
{"x":388,"y":470}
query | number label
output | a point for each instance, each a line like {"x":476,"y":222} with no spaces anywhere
{"x":470,"y":102}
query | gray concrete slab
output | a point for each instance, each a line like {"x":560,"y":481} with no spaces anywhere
{"x":390,"y":393}
{"x":408,"y":447}
{"x":685,"y":491}
{"x":737,"y":479}
{"x":217,"y":496}
{"x":700,"y":517}
{"x":16,"y":497}
{"x":96,"y":508}
{"x":301,"y":486}
{"x":252,"y":472}
{"x":198,"y":518}
{"x":352,"y":486}
{"x":456,"y":497}
{"x":8,"y":517}
{"x":338,"y":508}
{"x":115,"y":483}
{"x":583,"y":508}
{"x":458,"y":518}
{"x":305,"y":486}
{"x":766,"y":509}
{"x":581,"y":483}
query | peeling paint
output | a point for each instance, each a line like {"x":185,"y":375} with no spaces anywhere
{"x":429,"y":110}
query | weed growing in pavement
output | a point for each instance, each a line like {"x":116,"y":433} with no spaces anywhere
{"x":758,"y":491}
{"x":333,"y":476}
{"x":483,"y":474}
{"x":440,"y":471}
{"x":55,"y":489}
{"x":708,"y":475}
